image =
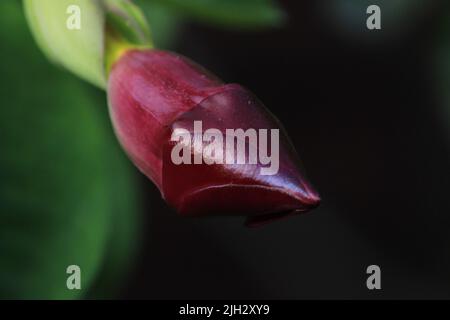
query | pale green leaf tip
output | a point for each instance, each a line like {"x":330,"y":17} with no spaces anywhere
{"x":78,"y":48}
{"x":72,"y":33}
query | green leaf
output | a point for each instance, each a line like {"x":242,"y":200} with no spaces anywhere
{"x":66,"y":192}
{"x":85,"y":50}
{"x":236,"y":14}
{"x":80,"y":51}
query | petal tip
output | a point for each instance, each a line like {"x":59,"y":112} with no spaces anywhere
{"x":305,"y":204}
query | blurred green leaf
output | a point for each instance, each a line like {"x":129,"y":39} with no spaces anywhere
{"x":236,"y":14}
{"x":441,"y":61}
{"x":124,"y":231}
{"x":66,"y":193}
{"x":164,"y":23}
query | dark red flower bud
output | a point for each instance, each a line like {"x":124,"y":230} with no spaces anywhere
{"x":210,"y":147}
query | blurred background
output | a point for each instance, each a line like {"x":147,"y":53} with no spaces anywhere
{"x":369,"y":114}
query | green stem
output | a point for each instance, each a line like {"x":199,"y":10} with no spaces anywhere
{"x":125,"y":29}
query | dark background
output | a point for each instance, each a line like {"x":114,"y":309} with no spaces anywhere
{"x":364,"y":116}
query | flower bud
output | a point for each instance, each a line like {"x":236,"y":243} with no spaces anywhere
{"x":152,"y":94}
{"x":210,"y":147}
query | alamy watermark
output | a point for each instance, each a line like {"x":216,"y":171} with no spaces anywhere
{"x":374,"y":280}
{"x":236,"y":146}
{"x":374,"y":19}
{"x":73,"y":281}
{"x":74,"y":20}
